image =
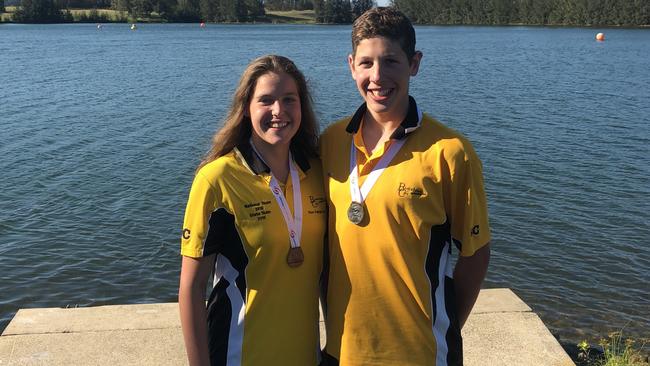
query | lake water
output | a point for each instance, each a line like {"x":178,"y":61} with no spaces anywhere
{"x":100,"y":132}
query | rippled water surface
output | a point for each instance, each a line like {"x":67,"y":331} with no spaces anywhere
{"x":100,"y":131}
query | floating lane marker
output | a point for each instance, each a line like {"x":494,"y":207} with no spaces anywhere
{"x":600,"y":37}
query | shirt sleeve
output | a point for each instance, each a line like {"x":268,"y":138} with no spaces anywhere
{"x":470,"y":228}
{"x":203,"y":200}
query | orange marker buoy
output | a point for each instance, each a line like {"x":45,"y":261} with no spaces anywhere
{"x":600,"y":37}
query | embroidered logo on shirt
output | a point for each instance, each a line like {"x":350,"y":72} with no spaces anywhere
{"x":404,"y":191}
{"x":318,"y":205}
{"x":258,"y":210}
{"x":316,"y":202}
{"x":475,"y":230}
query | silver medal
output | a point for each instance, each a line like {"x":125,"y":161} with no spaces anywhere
{"x":355,"y":213}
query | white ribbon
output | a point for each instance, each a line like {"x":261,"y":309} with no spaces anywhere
{"x":359,"y":194}
{"x":294,"y":225}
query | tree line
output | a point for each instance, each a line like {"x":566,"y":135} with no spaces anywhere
{"x":55,"y":11}
{"x":448,"y":12}
{"x":340,"y":11}
{"x":529,"y":12}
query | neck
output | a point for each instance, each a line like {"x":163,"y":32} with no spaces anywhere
{"x":376,"y":132}
{"x":276,"y":158}
{"x":378,"y":127}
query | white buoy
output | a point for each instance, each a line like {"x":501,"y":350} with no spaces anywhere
{"x":134,"y":27}
{"x":99,"y":26}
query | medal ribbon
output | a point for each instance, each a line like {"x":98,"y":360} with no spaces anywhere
{"x":294,"y":225}
{"x":359,"y":194}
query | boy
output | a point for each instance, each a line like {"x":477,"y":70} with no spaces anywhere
{"x":402,"y":190}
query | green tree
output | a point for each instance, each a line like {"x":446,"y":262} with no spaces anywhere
{"x":274,"y":5}
{"x":304,"y":5}
{"x":208,"y":10}
{"x":501,"y":11}
{"x":319,"y":10}
{"x":141,"y":8}
{"x":254,"y":9}
{"x":163,"y":7}
{"x":360,"y":6}
{"x":538,"y":12}
{"x":232,"y":10}
{"x":186,"y":11}
{"x":2,"y":6}
{"x":38,"y":11}
{"x":121,"y":5}
{"x":335,"y":11}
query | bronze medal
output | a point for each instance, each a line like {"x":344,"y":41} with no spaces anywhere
{"x":295,"y":257}
{"x":355,"y":213}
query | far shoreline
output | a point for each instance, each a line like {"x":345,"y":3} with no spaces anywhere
{"x":559,"y":26}
{"x":304,"y":17}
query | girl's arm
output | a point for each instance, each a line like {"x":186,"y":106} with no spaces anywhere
{"x":191,"y":300}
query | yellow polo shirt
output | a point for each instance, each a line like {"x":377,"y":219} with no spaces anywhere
{"x":260,"y":310}
{"x":390,"y":296}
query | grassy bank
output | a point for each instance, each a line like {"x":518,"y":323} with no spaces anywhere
{"x":6,"y":17}
{"x":292,"y":17}
{"x":99,"y":16}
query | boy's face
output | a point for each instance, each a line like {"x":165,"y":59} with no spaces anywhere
{"x":382,"y":71}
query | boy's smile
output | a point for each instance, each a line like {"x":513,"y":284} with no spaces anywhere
{"x":382,"y":71}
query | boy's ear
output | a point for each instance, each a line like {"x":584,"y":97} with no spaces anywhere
{"x":415,"y":63}
{"x":351,"y":64}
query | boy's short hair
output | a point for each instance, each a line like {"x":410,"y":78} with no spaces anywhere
{"x":385,"y":22}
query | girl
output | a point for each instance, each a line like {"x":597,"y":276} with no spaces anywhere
{"x":255,"y":221}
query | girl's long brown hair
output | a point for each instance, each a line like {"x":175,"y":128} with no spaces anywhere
{"x":237,"y":127}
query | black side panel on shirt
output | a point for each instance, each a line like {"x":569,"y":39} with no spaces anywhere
{"x":223,"y":239}
{"x":440,"y":235}
{"x":219,"y":314}
{"x":328,"y":360}
{"x":454,"y":338}
{"x":219,"y":221}
{"x":437,"y":238}
{"x":325,"y":273}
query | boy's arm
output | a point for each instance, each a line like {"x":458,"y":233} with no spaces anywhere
{"x":470,"y":229}
{"x":468,"y":277}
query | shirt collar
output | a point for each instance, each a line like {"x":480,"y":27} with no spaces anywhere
{"x":410,"y":123}
{"x":258,"y":166}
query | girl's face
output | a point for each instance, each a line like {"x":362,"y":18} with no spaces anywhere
{"x":274,"y":109}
